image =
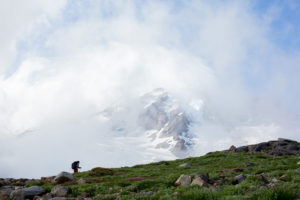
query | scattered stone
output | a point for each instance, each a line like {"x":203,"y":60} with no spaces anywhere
{"x":248,"y":164}
{"x":82,"y":181}
{"x":62,"y":198}
{"x":274,"y":180}
{"x":60,"y":191}
{"x":183,"y":180}
{"x":239,"y":178}
{"x":183,"y":165}
{"x":47,"y":196}
{"x":199,"y":181}
{"x":27,"y":193}
{"x":63,"y":177}
{"x":48,"y":179}
{"x":232,"y":148}
{"x":298,"y":163}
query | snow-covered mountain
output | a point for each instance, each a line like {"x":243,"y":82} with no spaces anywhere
{"x":157,"y":116}
{"x":165,"y":122}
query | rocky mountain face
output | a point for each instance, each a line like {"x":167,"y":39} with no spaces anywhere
{"x":278,"y":147}
{"x":156,"y":116}
{"x":165,"y":122}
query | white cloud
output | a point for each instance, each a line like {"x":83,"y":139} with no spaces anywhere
{"x":100,"y":54}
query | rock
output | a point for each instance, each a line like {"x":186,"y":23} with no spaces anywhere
{"x":298,"y":163}
{"x":184,"y":165}
{"x":47,"y":196}
{"x":27,"y":193}
{"x":292,"y":147}
{"x":285,"y":140}
{"x":183,"y":180}
{"x":274,"y":180}
{"x":248,"y":164}
{"x":280,"y":152}
{"x":204,"y":177}
{"x":201,"y":179}
{"x":17,"y":195}
{"x":232,"y":148}
{"x":242,"y":149}
{"x":48,"y":179}
{"x":6,"y":190}
{"x":4,"y":196}
{"x":81,"y":181}
{"x":60,"y":191}
{"x":62,"y":198}
{"x":239,"y":178}
{"x":261,"y":147}
{"x":63,"y":177}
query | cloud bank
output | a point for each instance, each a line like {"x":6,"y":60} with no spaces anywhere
{"x":63,"y":63}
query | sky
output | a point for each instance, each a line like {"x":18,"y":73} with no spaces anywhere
{"x":63,"y":61}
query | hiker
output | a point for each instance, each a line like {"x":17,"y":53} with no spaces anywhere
{"x":75,"y":166}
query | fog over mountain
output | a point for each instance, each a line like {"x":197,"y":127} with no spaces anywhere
{"x":117,"y":83}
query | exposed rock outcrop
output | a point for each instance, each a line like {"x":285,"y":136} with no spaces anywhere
{"x":279,"y":147}
{"x":63,"y":177}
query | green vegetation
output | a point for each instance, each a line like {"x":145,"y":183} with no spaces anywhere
{"x":267,"y":178}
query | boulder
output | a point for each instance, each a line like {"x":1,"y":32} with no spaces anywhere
{"x":6,"y":190}
{"x":183,"y":180}
{"x":204,"y":177}
{"x":242,"y":149}
{"x":261,"y":147}
{"x":63,"y":177}
{"x":201,"y":179}
{"x":292,"y":147}
{"x":280,"y":152}
{"x":184,"y":165}
{"x":60,"y":191}
{"x":239,"y":178}
{"x":47,"y":196}
{"x":298,"y":163}
{"x":232,"y":148}
{"x":27,"y":193}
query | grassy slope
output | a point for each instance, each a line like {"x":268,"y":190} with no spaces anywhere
{"x":156,"y":180}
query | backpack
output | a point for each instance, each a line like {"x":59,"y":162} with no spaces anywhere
{"x":74,"y":165}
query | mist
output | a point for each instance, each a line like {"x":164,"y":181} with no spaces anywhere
{"x":66,"y":64}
